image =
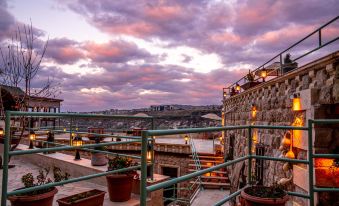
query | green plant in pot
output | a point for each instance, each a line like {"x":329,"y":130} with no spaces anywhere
{"x":38,"y":197}
{"x":120,"y":184}
{"x":98,"y":158}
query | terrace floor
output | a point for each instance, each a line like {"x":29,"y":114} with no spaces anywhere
{"x":22,"y":167}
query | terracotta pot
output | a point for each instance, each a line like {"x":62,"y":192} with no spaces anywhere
{"x":45,"y":199}
{"x":98,"y":159}
{"x":119,"y":187}
{"x":249,"y":200}
{"x":97,"y":199}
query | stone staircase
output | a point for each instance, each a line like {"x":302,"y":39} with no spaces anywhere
{"x":214,"y":180}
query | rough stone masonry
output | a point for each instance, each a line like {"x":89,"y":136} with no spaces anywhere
{"x":318,"y":85}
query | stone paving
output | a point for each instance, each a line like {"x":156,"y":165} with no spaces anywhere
{"x":22,"y":167}
{"x":210,"y":196}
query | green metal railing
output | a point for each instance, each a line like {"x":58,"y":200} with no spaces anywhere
{"x":320,"y":43}
{"x":147,"y":137}
{"x":59,"y":147}
{"x":249,"y":157}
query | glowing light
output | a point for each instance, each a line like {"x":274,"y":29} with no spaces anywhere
{"x":186,"y":139}
{"x":32,"y":135}
{"x":237,"y":87}
{"x":254,"y":112}
{"x":296,"y":103}
{"x":1,"y":132}
{"x":263,"y":73}
{"x":149,"y":155}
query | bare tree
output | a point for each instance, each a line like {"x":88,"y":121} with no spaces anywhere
{"x":20,"y":62}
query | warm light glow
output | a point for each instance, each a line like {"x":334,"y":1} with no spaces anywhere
{"x":297,"y":134}
{"x":290,"y":154}
{"x":186,"y":138}
{"x":296,"y":104}
{"x":32,"y":136}
{"x":263,"y":73}
{"x":77,"y":141}
{"x":149,"y":155}
{"x":323,"y":162}
{"x":1,"y":132}
{"x":237,"y":87}
{"x":64,"y":129}
{"x":73,"y":135}
{"x":254,"y":112}
{"x":225,"y":94}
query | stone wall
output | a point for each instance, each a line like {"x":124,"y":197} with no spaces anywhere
{"x":318,"y":86}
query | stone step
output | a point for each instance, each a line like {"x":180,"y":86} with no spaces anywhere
{"x":214,"y":185}
{"x":204,"y":166}
{"x":209,"y":161}
{"x":214,"y":177}
{"x":209,"y":157}
{"x":218,"y":172}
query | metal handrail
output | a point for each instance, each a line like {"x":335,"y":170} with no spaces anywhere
{"x":249,"y":157}
{"x":7,"y":153}
{"x":321,"y":44}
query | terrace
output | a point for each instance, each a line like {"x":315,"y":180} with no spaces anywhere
{"x":157,"y":183}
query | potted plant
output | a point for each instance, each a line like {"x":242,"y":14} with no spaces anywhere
{"x":120,"y":184}
{"x":249,"y":81}
{"x":38,"y":197}
{"x":263,"y":195}
{"x":98,"y":158}
{"x":288,"y":65}
{"x":88,"y":198}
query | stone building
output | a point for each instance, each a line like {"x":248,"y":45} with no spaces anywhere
{"x":316,"y":85}
{"x":11,"y":96}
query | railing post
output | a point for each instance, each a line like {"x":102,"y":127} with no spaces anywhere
{"x":249,"y":139}
{"x":310,"y":159}
{"x":143,"y":180}
{"x":319,"y":37}
{"x":153,"y":144}
{"x":70,"y":132}
{"x":281,"y":64}
{"x":5,"y":158}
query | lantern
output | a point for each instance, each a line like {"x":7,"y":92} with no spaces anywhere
{"x":237,"y":87}
{"x":32,"y":137}
{"x":77,"y":141}
{"x":150,"y":158}
{"x":1,"y":132}
{"x":186,"y":139}
{"x":290,"y":153}
{"x":296,"y":106}
{"x":65,"y":130}
{"x":254,"y":111}
{"x":225,"y":94}
{"x":263,"y":74}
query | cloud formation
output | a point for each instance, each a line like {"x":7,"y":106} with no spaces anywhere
{"x":164,"y":52}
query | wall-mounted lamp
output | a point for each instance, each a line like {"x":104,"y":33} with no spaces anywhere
{"x":77,"y":141}
{"x":186,"y":139}
{"x":32,"y":137}
{"x":263,"y":74}
{"x":253,"y":111}
{"x":237,"y":87}
{"x":2,"y":132}
{"x":296,"y":104}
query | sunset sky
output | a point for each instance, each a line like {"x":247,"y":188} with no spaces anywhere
{"x":135,"y":53}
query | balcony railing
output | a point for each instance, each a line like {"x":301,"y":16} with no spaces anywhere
{"x":249,"y":157}
{"x":146,"y":139}
{"x":235,"y":87}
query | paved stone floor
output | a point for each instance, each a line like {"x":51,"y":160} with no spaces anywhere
{"x":209,"y":197}
{"x":66,"y":190}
